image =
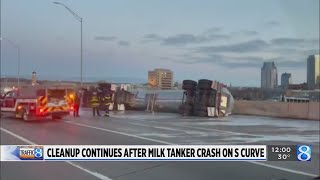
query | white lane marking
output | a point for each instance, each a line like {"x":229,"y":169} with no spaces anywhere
{"x":284,"y":169}
{"x":167,"y":128}
{"x":18,"y":137}
{"x":117,"y":132}
{"x":168,"y":143}
{"x":97,"y":175}
{"x":157,"y":127}
{"x":217,"y":130}
{"x":138,"y":124}
{"x":200,"y":128}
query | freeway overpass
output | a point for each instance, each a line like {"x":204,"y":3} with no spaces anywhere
{"x":140,"y":128}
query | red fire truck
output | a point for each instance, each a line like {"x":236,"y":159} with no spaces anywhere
{"x":38,"y":102}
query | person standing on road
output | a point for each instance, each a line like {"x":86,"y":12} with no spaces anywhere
{"x":76,"y":105}
{"x":106,"y":102}
{"x":122,"y":98}
{"x":95,"y":104}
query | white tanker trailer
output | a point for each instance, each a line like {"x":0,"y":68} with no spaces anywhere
{"x":205,"y":98}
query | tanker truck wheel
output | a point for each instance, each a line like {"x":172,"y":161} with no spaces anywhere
{"x":189,"y":85}
{"x":185,"y":109}
{"x":200,"y":110}
{"x":204,"y":84}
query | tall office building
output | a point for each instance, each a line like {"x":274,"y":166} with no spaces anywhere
{"x":161,"y":78}
{"x":313,"y":72}
{"x":152,"y":78}
{"x":285,"y":80}
{"x":269,"y":75}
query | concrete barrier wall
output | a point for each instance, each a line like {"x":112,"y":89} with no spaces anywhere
{"x":314,"y":109}
{"x":278,"y":109}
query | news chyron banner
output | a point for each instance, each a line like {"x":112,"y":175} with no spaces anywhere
{"x":152,"y":152}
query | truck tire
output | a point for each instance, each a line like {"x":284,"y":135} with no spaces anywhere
{"x":202,"y":98}
{"x":189,"y":97}
{"x":55,"y":117}
{"x":212,"y":99}
{"x":189,"y":85}
{"x":204,"y":84}
{"x":23,"y":114}
{"x":185,"y":109}
{"x":200,"y":107}
{"x":200,"y":110}
{"x":201,"y":113}
{"x":189,"y":101}
{"x":104,"y":86}
{"x":189,"y":93}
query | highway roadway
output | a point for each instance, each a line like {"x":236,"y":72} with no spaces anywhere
{"x":141,"y":128}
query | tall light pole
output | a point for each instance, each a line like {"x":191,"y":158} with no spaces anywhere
{"x":0,"y":41}
{"x":80,"y":20}
{"x":18,"y":49}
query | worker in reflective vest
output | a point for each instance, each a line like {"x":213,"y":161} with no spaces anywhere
{"x":106,"y":103}
{"x":76,"y":105}
{"x":95,"y":104}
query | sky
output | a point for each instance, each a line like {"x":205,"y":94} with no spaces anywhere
{"x":225,"y":40}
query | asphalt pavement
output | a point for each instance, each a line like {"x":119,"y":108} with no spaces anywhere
{"x":142,"y":128}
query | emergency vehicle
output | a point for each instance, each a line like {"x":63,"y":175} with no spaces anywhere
{"x":38,"y":102}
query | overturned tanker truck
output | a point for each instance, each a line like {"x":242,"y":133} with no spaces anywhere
{"x":202,"y":98}
{"x":206,"y":98}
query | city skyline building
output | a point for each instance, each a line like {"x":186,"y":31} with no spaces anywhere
{"x":161,"y":78}
{"x":313,"y":72}
{"x":286,"y":80}
{"x":269,"y":75}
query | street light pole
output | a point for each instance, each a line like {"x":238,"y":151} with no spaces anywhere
{"x":80,"y":20}
{"x":18,"y":66}
{"x":0,"y":41}
{"x":81,"y":55}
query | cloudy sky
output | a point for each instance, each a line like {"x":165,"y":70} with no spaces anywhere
{"x":224,"y":40}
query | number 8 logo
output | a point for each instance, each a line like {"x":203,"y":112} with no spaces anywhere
{"x":304,"y":154}
{"x":38,"y":153}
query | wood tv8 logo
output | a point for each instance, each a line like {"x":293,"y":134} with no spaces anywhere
{"x":31,"y":152}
